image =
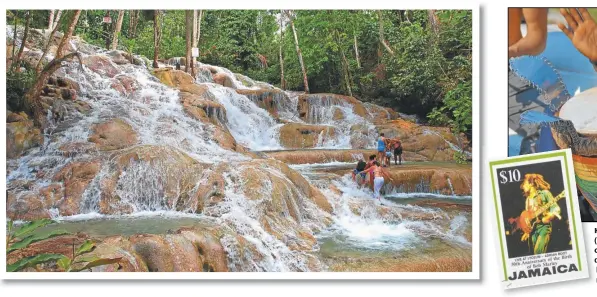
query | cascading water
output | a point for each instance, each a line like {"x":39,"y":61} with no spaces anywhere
{"x":340,"y":115}
{"x":250,"y":125}
{"x":253,"y":193}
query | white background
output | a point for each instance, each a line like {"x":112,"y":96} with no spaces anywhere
{"x":493,"y":131}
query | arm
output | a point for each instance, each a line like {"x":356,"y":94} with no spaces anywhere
{"x":554,"y":210}
{"x":536,"y":38}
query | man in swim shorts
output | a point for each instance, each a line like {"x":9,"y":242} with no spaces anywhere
{"x":397,"y":151}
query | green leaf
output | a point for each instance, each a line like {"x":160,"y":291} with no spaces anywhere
{"x":93,"y":261}
{"x":64,"y":263}
{"x":32,"y":226}
{"x":32,"y":261}
{"x":86,"y":247}
{"x":34,"y":238}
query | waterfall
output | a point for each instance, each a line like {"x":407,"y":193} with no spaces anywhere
{"x":274,"y":211}
{"x":250,"y":125}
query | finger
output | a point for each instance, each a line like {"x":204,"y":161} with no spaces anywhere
{"x":576,"y":15}
{"x":571,"y":22}
{"x":566,"y":31}
{"x":585,"y":14}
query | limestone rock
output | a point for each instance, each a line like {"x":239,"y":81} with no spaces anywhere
{"x":295,"y":135}
{"x":101,"y":64}
{"x":21,"y":134}
{"x":113,"y":134}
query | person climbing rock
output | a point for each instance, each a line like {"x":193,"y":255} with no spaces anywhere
{"x":381,"y":147}
{"x":360,"y":167}
{"x":379,"y":175}
{"x":397,"y":151}
{"x":535,"y":40}
{"x":582,"y":31}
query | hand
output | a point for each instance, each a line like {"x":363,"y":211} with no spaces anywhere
{"x":582,"y":32}
{"x":547,"y":218}
{"x":524,"y":237}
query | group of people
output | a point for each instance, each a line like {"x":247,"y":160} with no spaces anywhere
{"x":377,"y":175}
{"x":385,"y":147}
{"x":375,"y":166}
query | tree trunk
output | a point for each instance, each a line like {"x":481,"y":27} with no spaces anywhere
{"x":137,"y":12}
{"x":433,"y":21}
{"x":51,"y":20}
{"x":194,"y":43}
{"x":356,"y":51}
{"x":117,"y":29}
{"x":282,"y":81}
{"x":68,"y":34}
{"x":157,"y":37}
{"x":14,"y":39}
{"x":129,"y":31}
{"x":32,"y":102}
{"x":344,"y":64}
{"x":189,"y":39}
{"x":57,"y":19}
{"x":300,"y":56}
{"x":15,"y":64}
{"x":381,"y":34}
{"x":45,"y":52}
{"x":199,"y":28}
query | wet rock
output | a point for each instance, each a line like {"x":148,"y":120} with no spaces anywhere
{"x":320,"y":156}
{"x":119,"y":57}
{"x":268,"y":99}
{"x":101,"y":65}
{"x":113,"y":134}
{"x":147,"y":178}
{"x":25,"y":206}
{"x":21,"y":134}
{"x":295,"y":135}
{"x":128,"y":83}
{"x":359,"y":136}
{"x":224,"y":80}
{"x":75,"y":178}
{"x":211,"y":252}
{"x":77,"y":148}
{"x":309,"y":101}
{"x":115,"y":249}
{"x":203,"y":109}
{"x":447,"y":179}
{"x":428,"y":142}
{"x":173,"y":78}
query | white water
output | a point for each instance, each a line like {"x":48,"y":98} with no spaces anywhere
{"x":322,"y":111}
{"x":250,"y":125}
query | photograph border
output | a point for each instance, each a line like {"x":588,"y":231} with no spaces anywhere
{"x":474,"y":274}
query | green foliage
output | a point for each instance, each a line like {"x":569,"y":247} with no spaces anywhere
{"x":423,"y":77}
{"x":460,"y":157}
{"x":456,"y":111}
{"x":17,"y":84}
{"x":32,"y":261}
{"x":32,"y":239}
{"x":25,"y":235}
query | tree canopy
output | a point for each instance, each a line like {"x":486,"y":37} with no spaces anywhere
{"x":415,"y":61}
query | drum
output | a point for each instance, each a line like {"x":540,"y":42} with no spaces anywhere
{"x":580,"y":133}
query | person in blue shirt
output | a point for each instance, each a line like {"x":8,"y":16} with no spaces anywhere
{"x":381,"y":148}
